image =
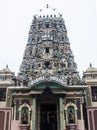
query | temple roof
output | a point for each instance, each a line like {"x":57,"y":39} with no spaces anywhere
{"x":6,"y":71}
{"x":90,"y":75}
{"x":6,"y":76}
{"x":91,"y":69}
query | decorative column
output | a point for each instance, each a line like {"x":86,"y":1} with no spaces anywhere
{"x":93,"y":120}
{"x":34,"y":114}
{"x":75,"y":101}
{"x":61,"y":113}
{"x":31,"y":114}
{"x":5,"y":119}
{"x":64,"y":113}
{"x":82,"y":116}
{"x":14,"y":109}
{"x":20,"y":111}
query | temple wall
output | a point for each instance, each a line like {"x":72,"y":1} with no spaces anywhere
{"x":15,"y":125}
{"x":2,"y":104}
{"x":5,"y":118}
{"x":80,"y":125}
{"x":92,"y":118}
{"x":94,"y":104}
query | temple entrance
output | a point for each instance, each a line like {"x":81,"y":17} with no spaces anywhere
{"x":48,"y":117}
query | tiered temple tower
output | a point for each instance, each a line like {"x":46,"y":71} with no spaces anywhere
{"x":48,"y":54}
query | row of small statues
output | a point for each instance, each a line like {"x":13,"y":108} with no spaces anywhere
{"x":68,"y":81}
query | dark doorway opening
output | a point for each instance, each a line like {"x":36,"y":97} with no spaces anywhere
{"x":48,"y":117}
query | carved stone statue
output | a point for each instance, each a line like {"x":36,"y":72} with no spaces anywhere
{"x":24,"y":118}
{"x":71,"y":116}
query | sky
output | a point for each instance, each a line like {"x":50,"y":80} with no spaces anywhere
{"x":80,"y":18}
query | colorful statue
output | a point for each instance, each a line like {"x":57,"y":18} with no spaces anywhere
{"x":24,"y":118}
{"x":71,"y":116}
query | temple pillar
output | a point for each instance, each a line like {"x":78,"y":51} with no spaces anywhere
{"x":64,"y":118}
{"x":34,"y":114}
{"x":82,"y":116}
{"x":20,"y":116}
{"x":14,"y":110}
{"x":61,"y":113}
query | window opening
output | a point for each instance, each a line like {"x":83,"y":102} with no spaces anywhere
{"x":47,"y":25}
{"x":2,"y":94}
{"x":47,"y":50}
{"x":47,"y":64}
{"x":94,"y":93}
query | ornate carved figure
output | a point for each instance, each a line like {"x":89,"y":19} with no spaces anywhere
{"x":71,"y":116}
{"x":24,"y":116}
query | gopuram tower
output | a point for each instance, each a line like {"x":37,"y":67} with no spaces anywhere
{"x":48,"y":93}
{"x":48,"y":55}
